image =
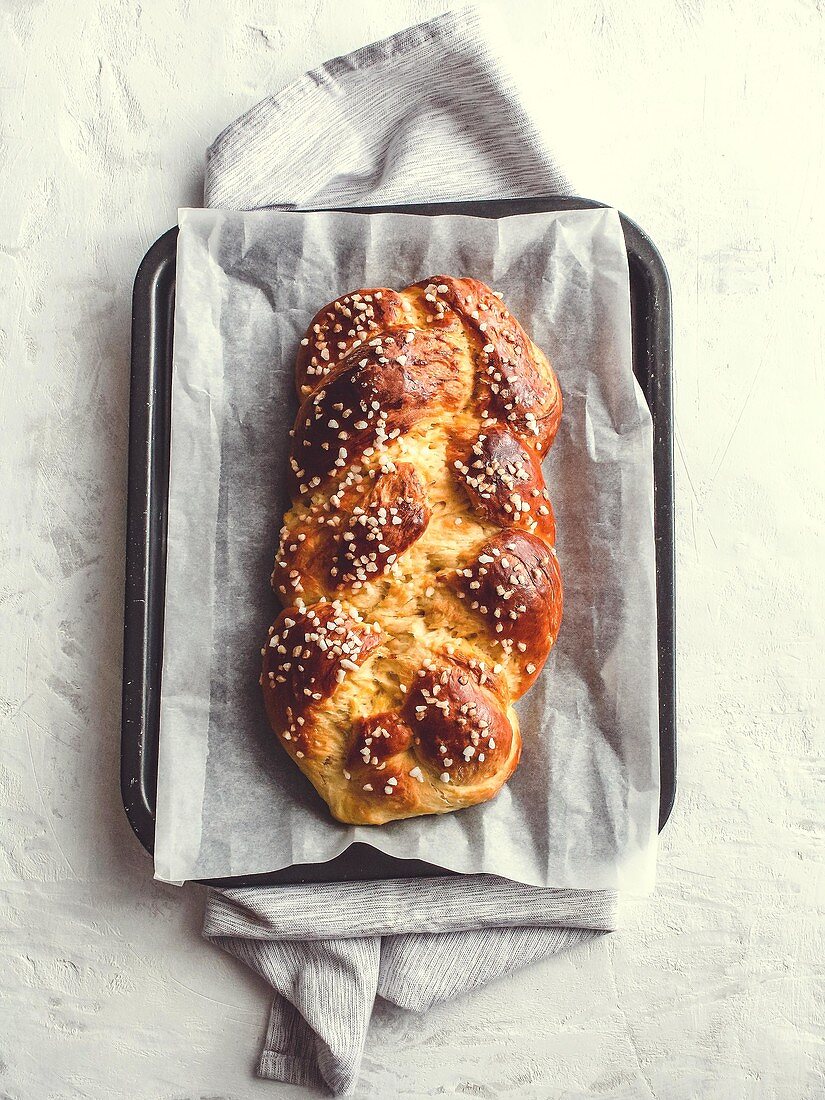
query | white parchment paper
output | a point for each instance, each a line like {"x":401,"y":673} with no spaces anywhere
{"x":581,"y":810}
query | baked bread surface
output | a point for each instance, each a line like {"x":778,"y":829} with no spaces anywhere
{"x":416,"y":567}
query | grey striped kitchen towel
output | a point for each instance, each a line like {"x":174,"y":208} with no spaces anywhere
{"x":431,"y":113}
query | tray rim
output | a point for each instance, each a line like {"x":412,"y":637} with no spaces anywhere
{"x":153,"y":296}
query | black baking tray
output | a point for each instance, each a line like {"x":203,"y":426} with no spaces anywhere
{"x":149,"y":430}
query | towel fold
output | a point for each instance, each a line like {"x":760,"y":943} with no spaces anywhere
{"x":432,"y":113}
{"x":328,"y":950}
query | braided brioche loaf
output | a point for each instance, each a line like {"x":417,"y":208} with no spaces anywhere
{"x":416,"y":563}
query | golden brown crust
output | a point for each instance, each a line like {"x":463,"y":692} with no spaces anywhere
{"x":514,"y":584}
{"x":344,"y":324}
{"x":374,"y":394}
{"x":307,"y":655}
{"x":461,"y":727}
{"x":515,"y":384}
{"x":394,"y":515}
{"x":417,"y":565}
{"x":504,"y":481}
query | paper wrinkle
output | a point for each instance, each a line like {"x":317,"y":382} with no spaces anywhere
{"x":581,"y":811}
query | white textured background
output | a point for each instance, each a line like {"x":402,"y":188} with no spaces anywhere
{"x":703,"y":121}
